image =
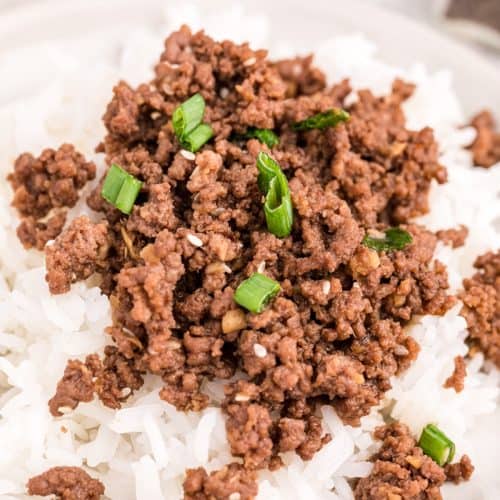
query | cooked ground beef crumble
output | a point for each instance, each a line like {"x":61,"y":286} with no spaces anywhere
{"x":481,"y":306}
{"x":67,"y":483}
{"x":335,"y":334}
{"x":486,"y":147}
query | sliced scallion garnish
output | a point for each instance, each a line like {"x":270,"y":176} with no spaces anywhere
{"x":197,"y":137}
{"x":320,"y":121}
{"x":255,"y":292}
{"x":188,"y":115}
{"x":120,"y":188}
{"x":264,"y":135}
{"x":187,"y":122}
{"x":278,"y":207}
{"x":437,"y":445}
{"x":394,"y":238}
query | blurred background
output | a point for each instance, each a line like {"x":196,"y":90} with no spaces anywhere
{"x":473,"y":22}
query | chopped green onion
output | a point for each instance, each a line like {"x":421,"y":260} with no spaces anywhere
{"x":329,"y":118}
{"x":197,"y":137}
{"x":120,"y":189}
{"x":268,"y":169}
{"x":113,"y":183}
{"x":278,"y":207}
{"x":278,"y":203}
{"x":255,"y":292}
{"x":394,"y":238}
{"x":128,"y":194}
{"x":437,"y":445}
{"x":188,"y":115}
{"x":264,"y":135}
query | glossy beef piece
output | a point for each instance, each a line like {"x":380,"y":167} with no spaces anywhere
{"x":233,"y":481}
{"x":50,"y":181}
{"x":401,"y":470}
{"x":481,"y":310}
{"x":66,"y":483}
{"x":486,"y":147}
{"x":456,"y":379}
{"x":76,"y":254}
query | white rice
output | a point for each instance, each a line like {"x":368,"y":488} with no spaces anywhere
{"x":142,"y":450}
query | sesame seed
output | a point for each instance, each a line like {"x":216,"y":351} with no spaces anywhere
{"x":374,"y":233}
{"x":188,"y":155}
{"x":194,"y":240}
{"x":261,"y":267}
{"x":155,"y":115}
{"x":241,"y":398}
{"x":227,"y":269}
{"x":259,"y":350}
{"x":401,"y":350}
{"x":64,"y":409}
{"x":326,"y":287}
{"x":224,"y":92}
{"x":125,"y":392}
{"x":250,"y":61}
{"x":234,"y":496}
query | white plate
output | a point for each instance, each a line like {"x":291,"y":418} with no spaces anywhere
{"x":401,"y":40}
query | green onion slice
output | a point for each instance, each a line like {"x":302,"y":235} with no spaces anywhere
{"x":394,"y":238}
{"x":437,"y":445}
{"x":188,"y":115}
{"x":256,"y":292}
{"x":264,"y":135}
{"x":120,"y":189}
{"x":278,"y":207}
{"x":197,"y":137}
{"x":268,"y":169}
{"x":330,"y":118}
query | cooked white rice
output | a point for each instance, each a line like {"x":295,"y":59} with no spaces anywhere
{"x":143,"y":450}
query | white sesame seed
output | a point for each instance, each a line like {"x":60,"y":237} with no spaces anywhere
{"x":400,"y":350}
{"x":261,"y":267}
{"x":223,"y":92}
{"x":375,"y":233}
{"x":64,"y":409}
{"x":155,"y":114}
{"x":250,"y":61}
{"x":241,"y":398}
{"x":125,"y":392}
{"x":259,"y":350}
{"x":194,"y":240}
{"x":234,"y":496}
{"x":188,"y":155}
{"x":227,"y":269}
{"x":326,"y":287}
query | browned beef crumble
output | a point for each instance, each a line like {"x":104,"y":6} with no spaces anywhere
{"x":481,"y":310}
{"x":486,"y":146}
{"x":233,"y":481}
{"x":401,"y":470}
{"x":454,"y":237}
{"x":43,"y":188}
{"x":336,"y":332}
{"x":456,"y":379}
{"x":67,"y":483}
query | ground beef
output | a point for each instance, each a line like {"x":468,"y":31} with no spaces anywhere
{"x":481,"y":309}
{"x":486,"y":147}
{"x":77,"y":253}
{"x":401,"y":470}
{"x":112,"y":380}
{"x":454,"y":237}
{"x":66,"y":483}
{"x":43,"y":188}
{"x":233,"y":482}
{"x":460,"y":471}
{"x":335,"y":334}
{"x":456,"y":379}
